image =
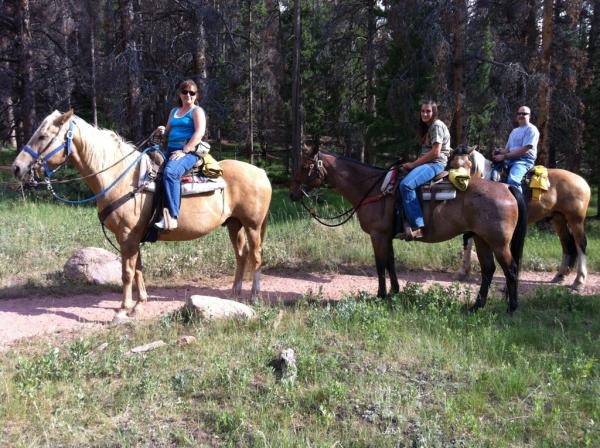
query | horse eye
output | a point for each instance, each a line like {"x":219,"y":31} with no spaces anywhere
{"x":41,"y":138}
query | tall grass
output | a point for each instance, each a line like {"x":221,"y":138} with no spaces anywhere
{"x":417,"y":371}
{"x":39,"y":236}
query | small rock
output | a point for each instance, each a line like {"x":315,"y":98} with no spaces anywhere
{"x":186,"y":340}
{"x":285,"y":366}
{"x":212,"y":308}
{"x":94,"y":265}
{"x":101,"y":347}
{"x":145,"y":348}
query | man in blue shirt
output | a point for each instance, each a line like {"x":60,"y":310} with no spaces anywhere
{"x":521,"y":149}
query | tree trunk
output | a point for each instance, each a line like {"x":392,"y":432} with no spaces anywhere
{"x":573,"y":83}
{"x":367,"y":147}
{"x":545,"y":93}
{"x":250,"y":137}
{"x":459,"y":19}
{"x":200,"y":71}
{"x":93,"y":69}
{"x":25,"y":74}
{"x":134,"y":91}
{"x":296,"y":91}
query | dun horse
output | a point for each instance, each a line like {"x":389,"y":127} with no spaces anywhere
{"x":495,"y":214}
{"x":242,"y":206}
{"x":565,"y":204}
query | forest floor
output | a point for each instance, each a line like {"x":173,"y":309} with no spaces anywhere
{"x":26,"y":314}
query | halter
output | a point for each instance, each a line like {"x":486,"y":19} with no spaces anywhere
{"x":42,"y":161}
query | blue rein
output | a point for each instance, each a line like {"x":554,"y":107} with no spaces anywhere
{"x":107,"y":189}
{"x":66,"y":146}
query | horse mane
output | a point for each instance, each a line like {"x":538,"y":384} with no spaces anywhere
{"x":102,"y":146}
{"x":351,"y":160}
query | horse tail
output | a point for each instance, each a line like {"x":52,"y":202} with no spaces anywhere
{"x":518,"y":240}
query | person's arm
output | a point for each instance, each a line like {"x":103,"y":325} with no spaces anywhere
{"x":199,"y":130}
{"x":432,"y":154}
{"x":436,"y":135}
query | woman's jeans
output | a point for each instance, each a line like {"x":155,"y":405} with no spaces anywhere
{"x":172,"y":174}
{"x":408,"y":190}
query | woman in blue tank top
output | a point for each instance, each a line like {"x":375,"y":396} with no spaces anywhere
{"x":185,"y":129}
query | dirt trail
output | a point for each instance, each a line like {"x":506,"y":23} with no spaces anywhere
{"x":24,"y":317}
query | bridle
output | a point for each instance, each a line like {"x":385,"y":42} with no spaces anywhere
{"x":316,"y":170}
{"x":42,"y":161}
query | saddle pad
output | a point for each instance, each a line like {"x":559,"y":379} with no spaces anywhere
{"x":189,"y":188}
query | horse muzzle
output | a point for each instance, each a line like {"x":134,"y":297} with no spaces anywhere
{"x":23,"y":170}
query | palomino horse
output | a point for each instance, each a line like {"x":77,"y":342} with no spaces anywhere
{"x":242,"y":206}
{"x":565,"y":203}
{"x":495,"y":214}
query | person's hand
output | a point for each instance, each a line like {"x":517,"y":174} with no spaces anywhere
{"x":177,"y":155}
{"x":408,"y":166}
{"x":499,"y":157}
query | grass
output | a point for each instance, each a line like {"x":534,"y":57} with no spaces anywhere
{"x":416,"y":371}
{"x":39,"y":236}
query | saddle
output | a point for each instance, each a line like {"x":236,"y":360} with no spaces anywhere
{"x":440,"y":188}
{"x":206,"y":175}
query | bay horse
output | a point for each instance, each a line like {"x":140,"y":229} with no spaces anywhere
{"x":242,"y":205}
{"x":565,"y":204}
{"x":493,"y":212}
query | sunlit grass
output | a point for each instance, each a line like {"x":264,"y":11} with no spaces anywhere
{"x":416,"y":371}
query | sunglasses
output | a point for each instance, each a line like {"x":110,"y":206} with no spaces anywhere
{"x":188,"y":92}
{"x":522,"y":113}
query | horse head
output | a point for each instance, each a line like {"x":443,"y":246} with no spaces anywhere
{"x":48,"y":148}
{"x":462,"y":157}
{"x":310,"y":174}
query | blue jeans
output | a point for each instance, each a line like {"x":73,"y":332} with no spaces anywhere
{"x":172,"y":174}
{"x":408,"y":190}
{"x":517,"y":168}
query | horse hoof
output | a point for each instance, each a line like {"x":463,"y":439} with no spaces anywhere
{"x":120,"y":318}
{"x":462,"y":277}
{"x":136,"y":312}
{"x":558,"y":278}
{"x":578,"y":287}
{"x":474,"y":308}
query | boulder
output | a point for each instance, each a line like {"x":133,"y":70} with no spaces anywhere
{"x":212,"y":308}
{"x":94,"y":265}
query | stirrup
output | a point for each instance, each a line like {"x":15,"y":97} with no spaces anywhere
{"x":167,"y":222}
{"x":410,"y":235}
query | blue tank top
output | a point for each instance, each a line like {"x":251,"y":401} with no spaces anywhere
{"x":181,"y":130}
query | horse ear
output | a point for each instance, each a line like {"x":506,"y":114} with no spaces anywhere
{"x":59,"y":121}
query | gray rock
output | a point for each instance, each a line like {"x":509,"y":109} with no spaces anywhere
{"x":285,"y":366}
{"x":213,"y":308}
{"x":94,"y":265}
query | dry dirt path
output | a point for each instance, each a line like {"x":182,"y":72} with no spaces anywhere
{"x":64,"y":316}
